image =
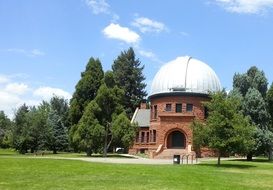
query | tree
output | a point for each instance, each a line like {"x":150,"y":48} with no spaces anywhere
{"x":39,"y":130}
{"x":21,"y":132}
{"x":5,"y":130}
{"x":129,"y":77}
{"x":86,"y":89}
{"x":254,"y":78}
{"x":246,"y":84}
{"x":61,"y":107}
{"x":89,"y":133}
{"x":123,"y":131}
{"x":104,"y":123}
{"x":109,"y":102}
{"x":241,"y":83}
{"x":58,"y":139}
{"x":228,"y":131}
{"x":269,"y":99}
{"x":255,"y":107}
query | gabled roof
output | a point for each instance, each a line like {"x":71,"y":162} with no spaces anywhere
{"x":141,"y":117}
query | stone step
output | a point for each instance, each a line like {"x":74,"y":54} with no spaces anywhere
{"x":168,"y":153}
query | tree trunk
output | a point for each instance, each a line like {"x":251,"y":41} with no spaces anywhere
{"x":54,"y":151}
{"x":88,"y":152}
{"x":249,"y":157}
{"x":105,"y":142}
{"x":270,"y":154}
{"x":219,"y":160}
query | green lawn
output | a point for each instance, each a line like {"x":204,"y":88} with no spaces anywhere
{"x":26,"y":172}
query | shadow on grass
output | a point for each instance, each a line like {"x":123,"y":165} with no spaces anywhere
{"x":238,"y":166}
{"x":259,"y":160}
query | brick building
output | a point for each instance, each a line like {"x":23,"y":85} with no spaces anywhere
{"x":177,"y":92}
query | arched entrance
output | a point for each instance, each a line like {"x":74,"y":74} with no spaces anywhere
{"x":176,"y":139}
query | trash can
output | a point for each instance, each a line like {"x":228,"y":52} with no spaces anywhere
{"x":176,"y":159}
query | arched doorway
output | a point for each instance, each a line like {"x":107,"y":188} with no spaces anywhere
{"x":176,"y":139}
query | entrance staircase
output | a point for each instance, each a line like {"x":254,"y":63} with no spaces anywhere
{"x":168,"y":153}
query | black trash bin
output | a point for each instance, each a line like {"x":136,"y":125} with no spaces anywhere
{"x":176,"y":159}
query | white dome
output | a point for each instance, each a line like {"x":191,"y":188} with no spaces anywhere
{"x":185,"y":74}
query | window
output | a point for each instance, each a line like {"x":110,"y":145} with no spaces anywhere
{"x":154,"y":135}
{"x":178,"y":108}
{"x":147,"y":137}
{"x":189,"y":108}
{"x":142,"y":136}
{"x":206,"y":112}
{"x":152,"y":112}
{"x":137,"y":137}
{"x":168,"y":107}
{"x":155,"y":111}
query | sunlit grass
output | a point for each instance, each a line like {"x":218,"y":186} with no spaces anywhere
{"x":21,"y":172}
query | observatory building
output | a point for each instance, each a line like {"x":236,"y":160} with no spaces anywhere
{"x":177,"y":94}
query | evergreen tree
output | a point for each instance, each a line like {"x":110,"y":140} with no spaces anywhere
{"x":241,"y":83}
{"x":86,"y":89}
{"x":21,"y":132}
{"x":103,"y":123}
{"x":254,"y":78}
{"x":123,"y":132}
{"x":58,"y":139}
{"x":250,"y":84}
{"x":269,"y":99}
{"x":39,"y":130}
{"x":5,"y":130}
{"x":89,"y":133}
{"x":128,"y":75}
{"x":61,"y":107}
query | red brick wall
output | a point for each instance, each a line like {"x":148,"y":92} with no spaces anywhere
{"x":168,"y":121}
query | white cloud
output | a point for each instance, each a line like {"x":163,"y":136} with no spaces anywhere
{"x":246,"y":6}
{"x":16,"y":88}
{"x":14,"y":92}
{"x":29,"y":53}
{"x":184,"y":33}
{"x":147,"y":54}
{"x":147,"y":25}
{"x":4,"y":79}
{"x":98,"y":6}
{"x":47,"y":92}
{"x":36,"y":52}
{"x":150,"y":55}
{"x":115,"y":31}
{"x":8,"y":102}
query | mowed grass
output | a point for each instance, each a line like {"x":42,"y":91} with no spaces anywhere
{"x":28,"y":172}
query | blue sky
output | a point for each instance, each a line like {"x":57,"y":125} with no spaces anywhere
{"x":45,"y":45}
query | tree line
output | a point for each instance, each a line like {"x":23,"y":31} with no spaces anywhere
{"x":241,"y":121}
{"x":96,"y":120}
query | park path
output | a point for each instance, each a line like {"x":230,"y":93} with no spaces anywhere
{"x":133,"y":160}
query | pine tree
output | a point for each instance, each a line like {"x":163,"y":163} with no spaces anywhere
{"x":89,"y":132}
{"x":21,"y":132}
{"x":104,"y":122}
{"x":86,"y":89}
{"x":58,"y":139}
{"x":269,"y":99}
{"x":253,"y":87}
{"x":128,"y":75}
{"x":5,"y":130}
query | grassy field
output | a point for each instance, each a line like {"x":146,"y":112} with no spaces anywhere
{"x":27,"y":172}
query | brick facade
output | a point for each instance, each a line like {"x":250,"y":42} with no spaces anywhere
{"x":165,"y":119}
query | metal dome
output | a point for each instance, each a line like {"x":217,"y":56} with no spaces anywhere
{"x":185,"y":74}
